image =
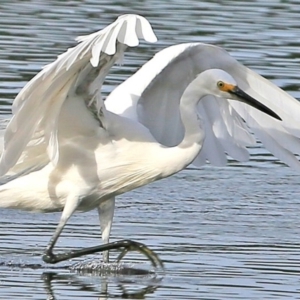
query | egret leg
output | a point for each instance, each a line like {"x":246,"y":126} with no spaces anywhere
{"x":106,"y":214}
{"x":71,"y":205}
{"x":124,"y":245}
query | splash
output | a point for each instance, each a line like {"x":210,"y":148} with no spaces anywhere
{"x":103,"y":269}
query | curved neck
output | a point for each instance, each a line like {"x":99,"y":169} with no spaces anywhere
{"x":180,"y":156}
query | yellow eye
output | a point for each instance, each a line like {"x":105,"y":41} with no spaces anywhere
{"x":220,"y":84}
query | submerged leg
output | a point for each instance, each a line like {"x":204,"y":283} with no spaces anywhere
{"x":106,"y":214}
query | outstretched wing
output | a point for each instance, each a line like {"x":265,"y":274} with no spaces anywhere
{"x":152,"y":97}
{"x":79,"y":71}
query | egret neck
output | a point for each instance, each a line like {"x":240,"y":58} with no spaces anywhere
{"x":180,"y":156}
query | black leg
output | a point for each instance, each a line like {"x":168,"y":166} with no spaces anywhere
{"x":126,"y":245}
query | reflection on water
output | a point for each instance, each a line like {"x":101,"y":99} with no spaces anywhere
{"x":50,"y":285}
{"x":224,"y":233}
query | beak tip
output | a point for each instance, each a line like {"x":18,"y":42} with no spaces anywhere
{"x":254,"y":103}
{"x":272,"y":114}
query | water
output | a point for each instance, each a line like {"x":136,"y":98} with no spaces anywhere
{"x":223,"y":233}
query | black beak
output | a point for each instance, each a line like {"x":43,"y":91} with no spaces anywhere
{"x":243,"y":97}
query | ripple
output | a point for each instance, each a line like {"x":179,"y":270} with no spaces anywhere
{"x":224,"y":233}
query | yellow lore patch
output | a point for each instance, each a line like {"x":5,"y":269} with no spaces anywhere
{"x":226,"y":87}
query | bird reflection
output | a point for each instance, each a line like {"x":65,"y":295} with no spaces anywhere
{"x":99,"y":286}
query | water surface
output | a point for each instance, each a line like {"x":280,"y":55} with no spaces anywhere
{"x":223,"y":233}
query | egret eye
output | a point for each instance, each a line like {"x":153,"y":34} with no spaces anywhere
{"x":220,"y":84}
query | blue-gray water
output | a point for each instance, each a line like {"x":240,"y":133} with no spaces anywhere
{"x":223,"y":233}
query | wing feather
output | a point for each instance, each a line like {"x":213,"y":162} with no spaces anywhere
{"x":152,"y":96}
{"x":211,"y":117}
{"x":80,"y":69}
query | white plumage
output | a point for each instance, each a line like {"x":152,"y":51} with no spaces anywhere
{"x":152,"y":96}
{"x":65,"y":149}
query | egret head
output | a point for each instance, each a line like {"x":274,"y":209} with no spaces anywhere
{"x":222,"y":84}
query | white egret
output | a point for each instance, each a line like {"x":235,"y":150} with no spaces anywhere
{"x":64,"y":149}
